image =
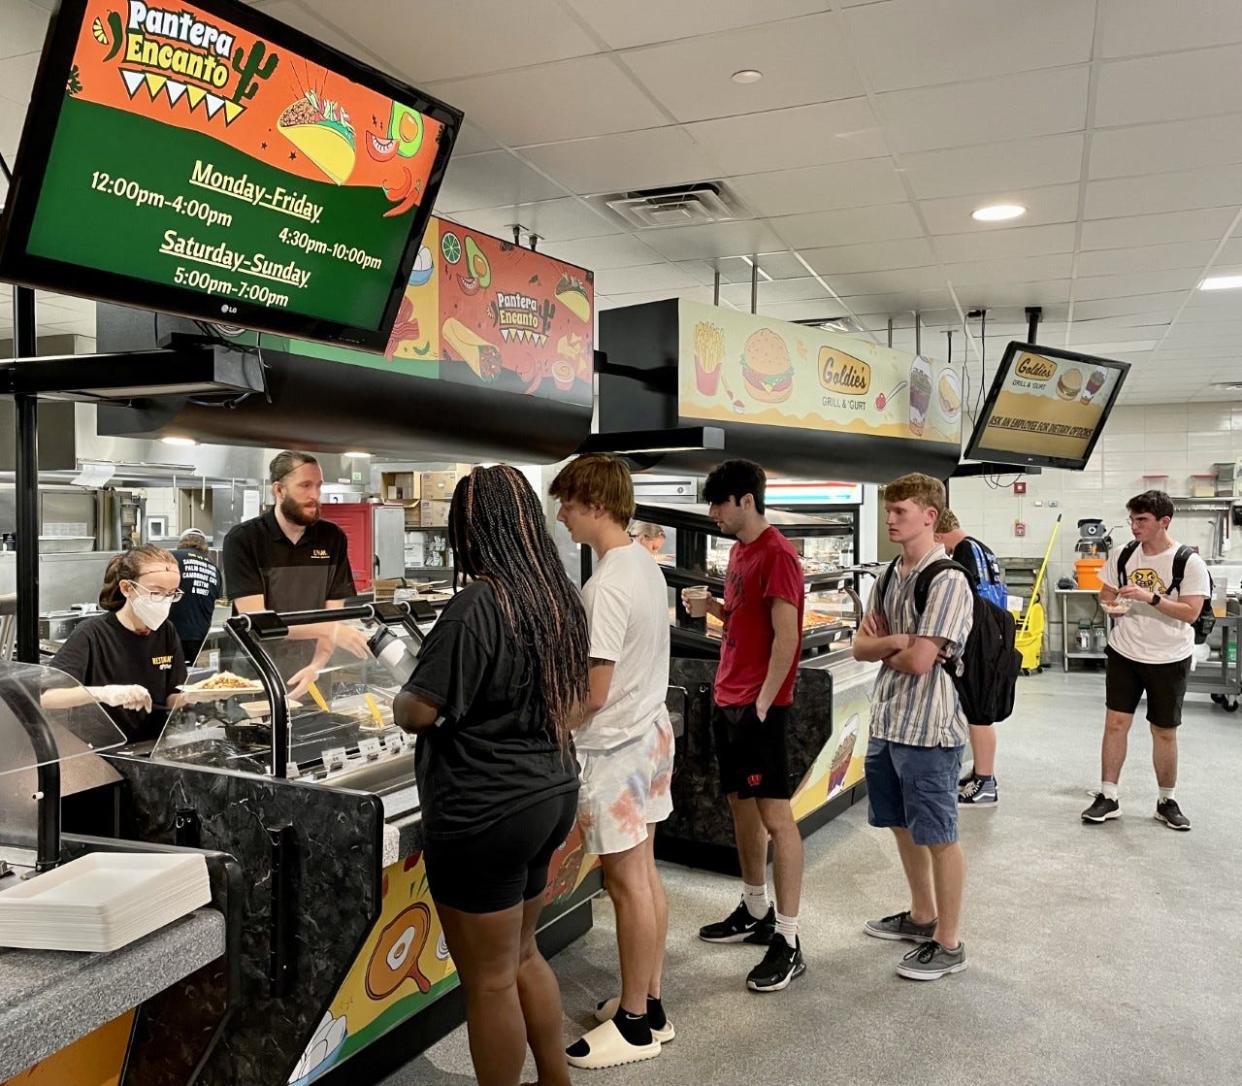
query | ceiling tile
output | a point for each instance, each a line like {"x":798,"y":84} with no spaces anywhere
{"x":951,"y":215}
{"x":472,"y":140}
{"x":1133,"y":27}
{"x":779,"y":290}
{"x":1027,"y":269}
{"x":714,"y":240}
{"x":653,"y":158}
{"x":588,"y":96}
{"x":297,"y":14}
{"x":1149,"y":306}
{"x":1000,"y":244}
{"x":455,"y":38}
{"x":17,"y":76}
{"x":909,"y":280}
{"x":1164,"y":88}
{"x":854,"y":226}
{"x":1220,"y":186}
{"x":24,"y":27}
{"x":819,"y":188}
{"x":876,"y":256}
{"x":552,"y":220}
{"x":1154,"y":148}
{"x":812,"y":309}
{"x":994,"y":167}
{"x":621,"y":251}
{"x":1179,"y":254}
{"x":789,"y":138}
{"x":991,"y":295}
{"x":914,"y":43}
{"x":1210,"y":224}
{"x":803,"y":61}
{"x":662,"y":276}
{"x":644,"y":22}
{"x":1144,"y":282}
{"x":1005,"y":108}
{"x":492,"y":179}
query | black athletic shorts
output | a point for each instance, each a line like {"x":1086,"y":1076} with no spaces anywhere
{"x":751,"y":752}
{"x":503,"y":865}
{"x":1164,"y":684}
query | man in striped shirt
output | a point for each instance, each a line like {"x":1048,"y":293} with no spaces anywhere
{"x":917,"y":728}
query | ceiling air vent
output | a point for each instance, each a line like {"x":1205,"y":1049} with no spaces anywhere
{"x":680,"y":205}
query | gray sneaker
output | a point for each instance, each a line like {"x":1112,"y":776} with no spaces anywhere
{"x":931,"y":961}
{"x":900,"y":926}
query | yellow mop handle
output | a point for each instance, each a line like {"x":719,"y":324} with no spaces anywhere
{"x":1039,"y":577}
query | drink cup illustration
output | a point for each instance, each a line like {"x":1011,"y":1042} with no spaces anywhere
{"x":1094,"y":383}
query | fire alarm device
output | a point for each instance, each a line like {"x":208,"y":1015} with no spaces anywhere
{"x":1019,"y":487}
{"x":1019,"y":528}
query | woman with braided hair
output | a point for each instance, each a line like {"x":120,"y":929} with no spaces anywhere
{"x":501,"y":680}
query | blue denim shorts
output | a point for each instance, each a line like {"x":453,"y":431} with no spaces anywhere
{"x":914,"y":787}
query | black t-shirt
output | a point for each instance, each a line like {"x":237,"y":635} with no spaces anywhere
{"x":102,"y":652}
{"x":494,"y":754}
{"x":200,"y":581}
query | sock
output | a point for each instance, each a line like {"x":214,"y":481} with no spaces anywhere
{"x":634,"y":1027}
{"x":656,"y":1017}
{"x":787,"y":926}
{"x":1166,"y":793}
{"x":985,"y":777}
{"x":755,"y":898}
{"x":1108,"y":790}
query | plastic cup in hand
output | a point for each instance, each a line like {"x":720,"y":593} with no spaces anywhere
{"x":696,"y":600}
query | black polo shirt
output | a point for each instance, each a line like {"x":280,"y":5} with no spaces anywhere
{"x":200,"y":583}
{"x":259,"y":560}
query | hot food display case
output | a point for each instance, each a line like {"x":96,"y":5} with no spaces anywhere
{"x":830,"y":716}
{"x":315,"y":796}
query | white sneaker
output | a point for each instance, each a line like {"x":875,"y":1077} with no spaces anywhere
{"x":606,"y":1011}
{"x":605,"y":1047}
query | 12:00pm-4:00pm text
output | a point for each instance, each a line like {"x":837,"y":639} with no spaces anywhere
{"x":141,"y":196}
{"x":243,"y":291}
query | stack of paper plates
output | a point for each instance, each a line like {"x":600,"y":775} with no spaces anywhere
{"x":102,"y":901}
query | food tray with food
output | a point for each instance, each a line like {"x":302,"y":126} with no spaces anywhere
{"x":223,"y":684}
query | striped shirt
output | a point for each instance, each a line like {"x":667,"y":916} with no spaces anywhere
{"x":923,"y":710}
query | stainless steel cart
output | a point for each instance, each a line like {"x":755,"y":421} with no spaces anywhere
{"x":1222,"y":679}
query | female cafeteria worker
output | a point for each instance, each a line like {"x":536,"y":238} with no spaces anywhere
{"x":500,"y":681}
{"x":129,"y":658}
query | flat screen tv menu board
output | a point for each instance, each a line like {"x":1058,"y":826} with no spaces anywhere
{"x":1046,"y":407}
{"x":207,"y":160}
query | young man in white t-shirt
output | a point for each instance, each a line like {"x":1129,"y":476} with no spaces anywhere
{"x":1149,"y":651}
{"x":625,"y":750}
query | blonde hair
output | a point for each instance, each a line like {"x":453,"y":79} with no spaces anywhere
{"x":128,"y":566}
{"x":641,"y":529}
{"x":597,"y":480}
{"x":947,"y":522}
{"x":924,"y":490}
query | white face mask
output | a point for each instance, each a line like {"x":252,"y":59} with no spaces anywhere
{"x":150,"y":612}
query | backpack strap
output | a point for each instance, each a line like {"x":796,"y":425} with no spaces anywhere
{"x":1180,"y":560}
{"x":981,"y":561}
{"x":923,"y":585}
{"x":1124,"y":557}
{"x":885,"y":578}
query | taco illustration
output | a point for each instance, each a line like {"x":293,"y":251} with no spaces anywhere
{"x":571,"y":293}
{"x":322,"y":132}
{"x":473,"y":349}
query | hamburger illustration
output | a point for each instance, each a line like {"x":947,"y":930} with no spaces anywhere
{"x":766,"y":370}
{"x":1069,"y":384}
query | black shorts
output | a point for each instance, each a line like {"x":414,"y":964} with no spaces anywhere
{"x":750,"y":752}
{"x":1165,"y":685}
{"x":503,"y":865}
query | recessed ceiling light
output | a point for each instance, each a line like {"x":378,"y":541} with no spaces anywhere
{"x":1228,"y":386}
{"x":1221,"y":282}
{"x":360,"y":455}
{"x":189,"y":442}
{"x":747,"y":75}
{"x":998,"y":212}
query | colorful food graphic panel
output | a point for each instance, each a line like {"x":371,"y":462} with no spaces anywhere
{"x":404,"y":965}
{"x":1049,"y":407}
{"x":94,"y":1060}
{"x":840,"y":764}
{"x":738,"y":367}
{"x":191,"y":153}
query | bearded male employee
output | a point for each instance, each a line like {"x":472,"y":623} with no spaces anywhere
{"x":289,"y":559}
{"x":1162,"y":587}
{"x":762,"y":615}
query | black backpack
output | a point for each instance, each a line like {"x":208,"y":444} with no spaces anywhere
{"x":990,"y":659}
{"x":1206,"y":622}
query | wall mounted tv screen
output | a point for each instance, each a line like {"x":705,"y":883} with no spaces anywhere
{"x":1046,"y":407}
{"x":204,"y":159}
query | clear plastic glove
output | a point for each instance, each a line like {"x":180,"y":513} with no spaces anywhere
{"x":351,"y":639}
{"x":121,"y":696}
{"x":299,"y":682}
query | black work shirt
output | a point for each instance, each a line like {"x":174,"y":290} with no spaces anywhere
{"x":102,"y":652}
{"x":259,"y":560}
{"x":494,"y":754}
{"x":200,"y":581}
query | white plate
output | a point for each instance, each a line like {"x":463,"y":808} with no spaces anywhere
{"x":221,"y":692}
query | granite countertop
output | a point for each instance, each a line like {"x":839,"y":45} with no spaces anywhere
{"x":50,"y":998}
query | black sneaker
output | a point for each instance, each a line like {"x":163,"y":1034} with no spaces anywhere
{"x":1168,"y":812}
{"x":781,"y":965}
{"x":978,"y":792}
{"x":740,"y":927}
{"x":967,"y":777}
{"x":1102,"y":809}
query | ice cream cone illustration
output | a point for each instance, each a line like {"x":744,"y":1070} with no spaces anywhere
{"x":920,"y":394}
{"x":839,"y":767}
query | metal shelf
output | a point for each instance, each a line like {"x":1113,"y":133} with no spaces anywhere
{"x":680,"y":578}
{"x":1086,"y":656}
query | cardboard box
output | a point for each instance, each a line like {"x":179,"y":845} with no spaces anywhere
{"x":434,"y":513}
{"x":402,"y":486}
{"x":438,"y":485}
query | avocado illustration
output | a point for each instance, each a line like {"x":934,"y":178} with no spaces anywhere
{"x":477,"y":265}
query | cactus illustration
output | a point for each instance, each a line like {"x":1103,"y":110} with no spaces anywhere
{"x":253,"y":68}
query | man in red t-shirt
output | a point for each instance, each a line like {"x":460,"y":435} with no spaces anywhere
{"x":762,"y":615}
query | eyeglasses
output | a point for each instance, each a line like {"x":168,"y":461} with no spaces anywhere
{"x":158,"y":597}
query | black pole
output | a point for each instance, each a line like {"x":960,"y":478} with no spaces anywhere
{"x":1033,"y":315}
{"x":26,"y":489}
